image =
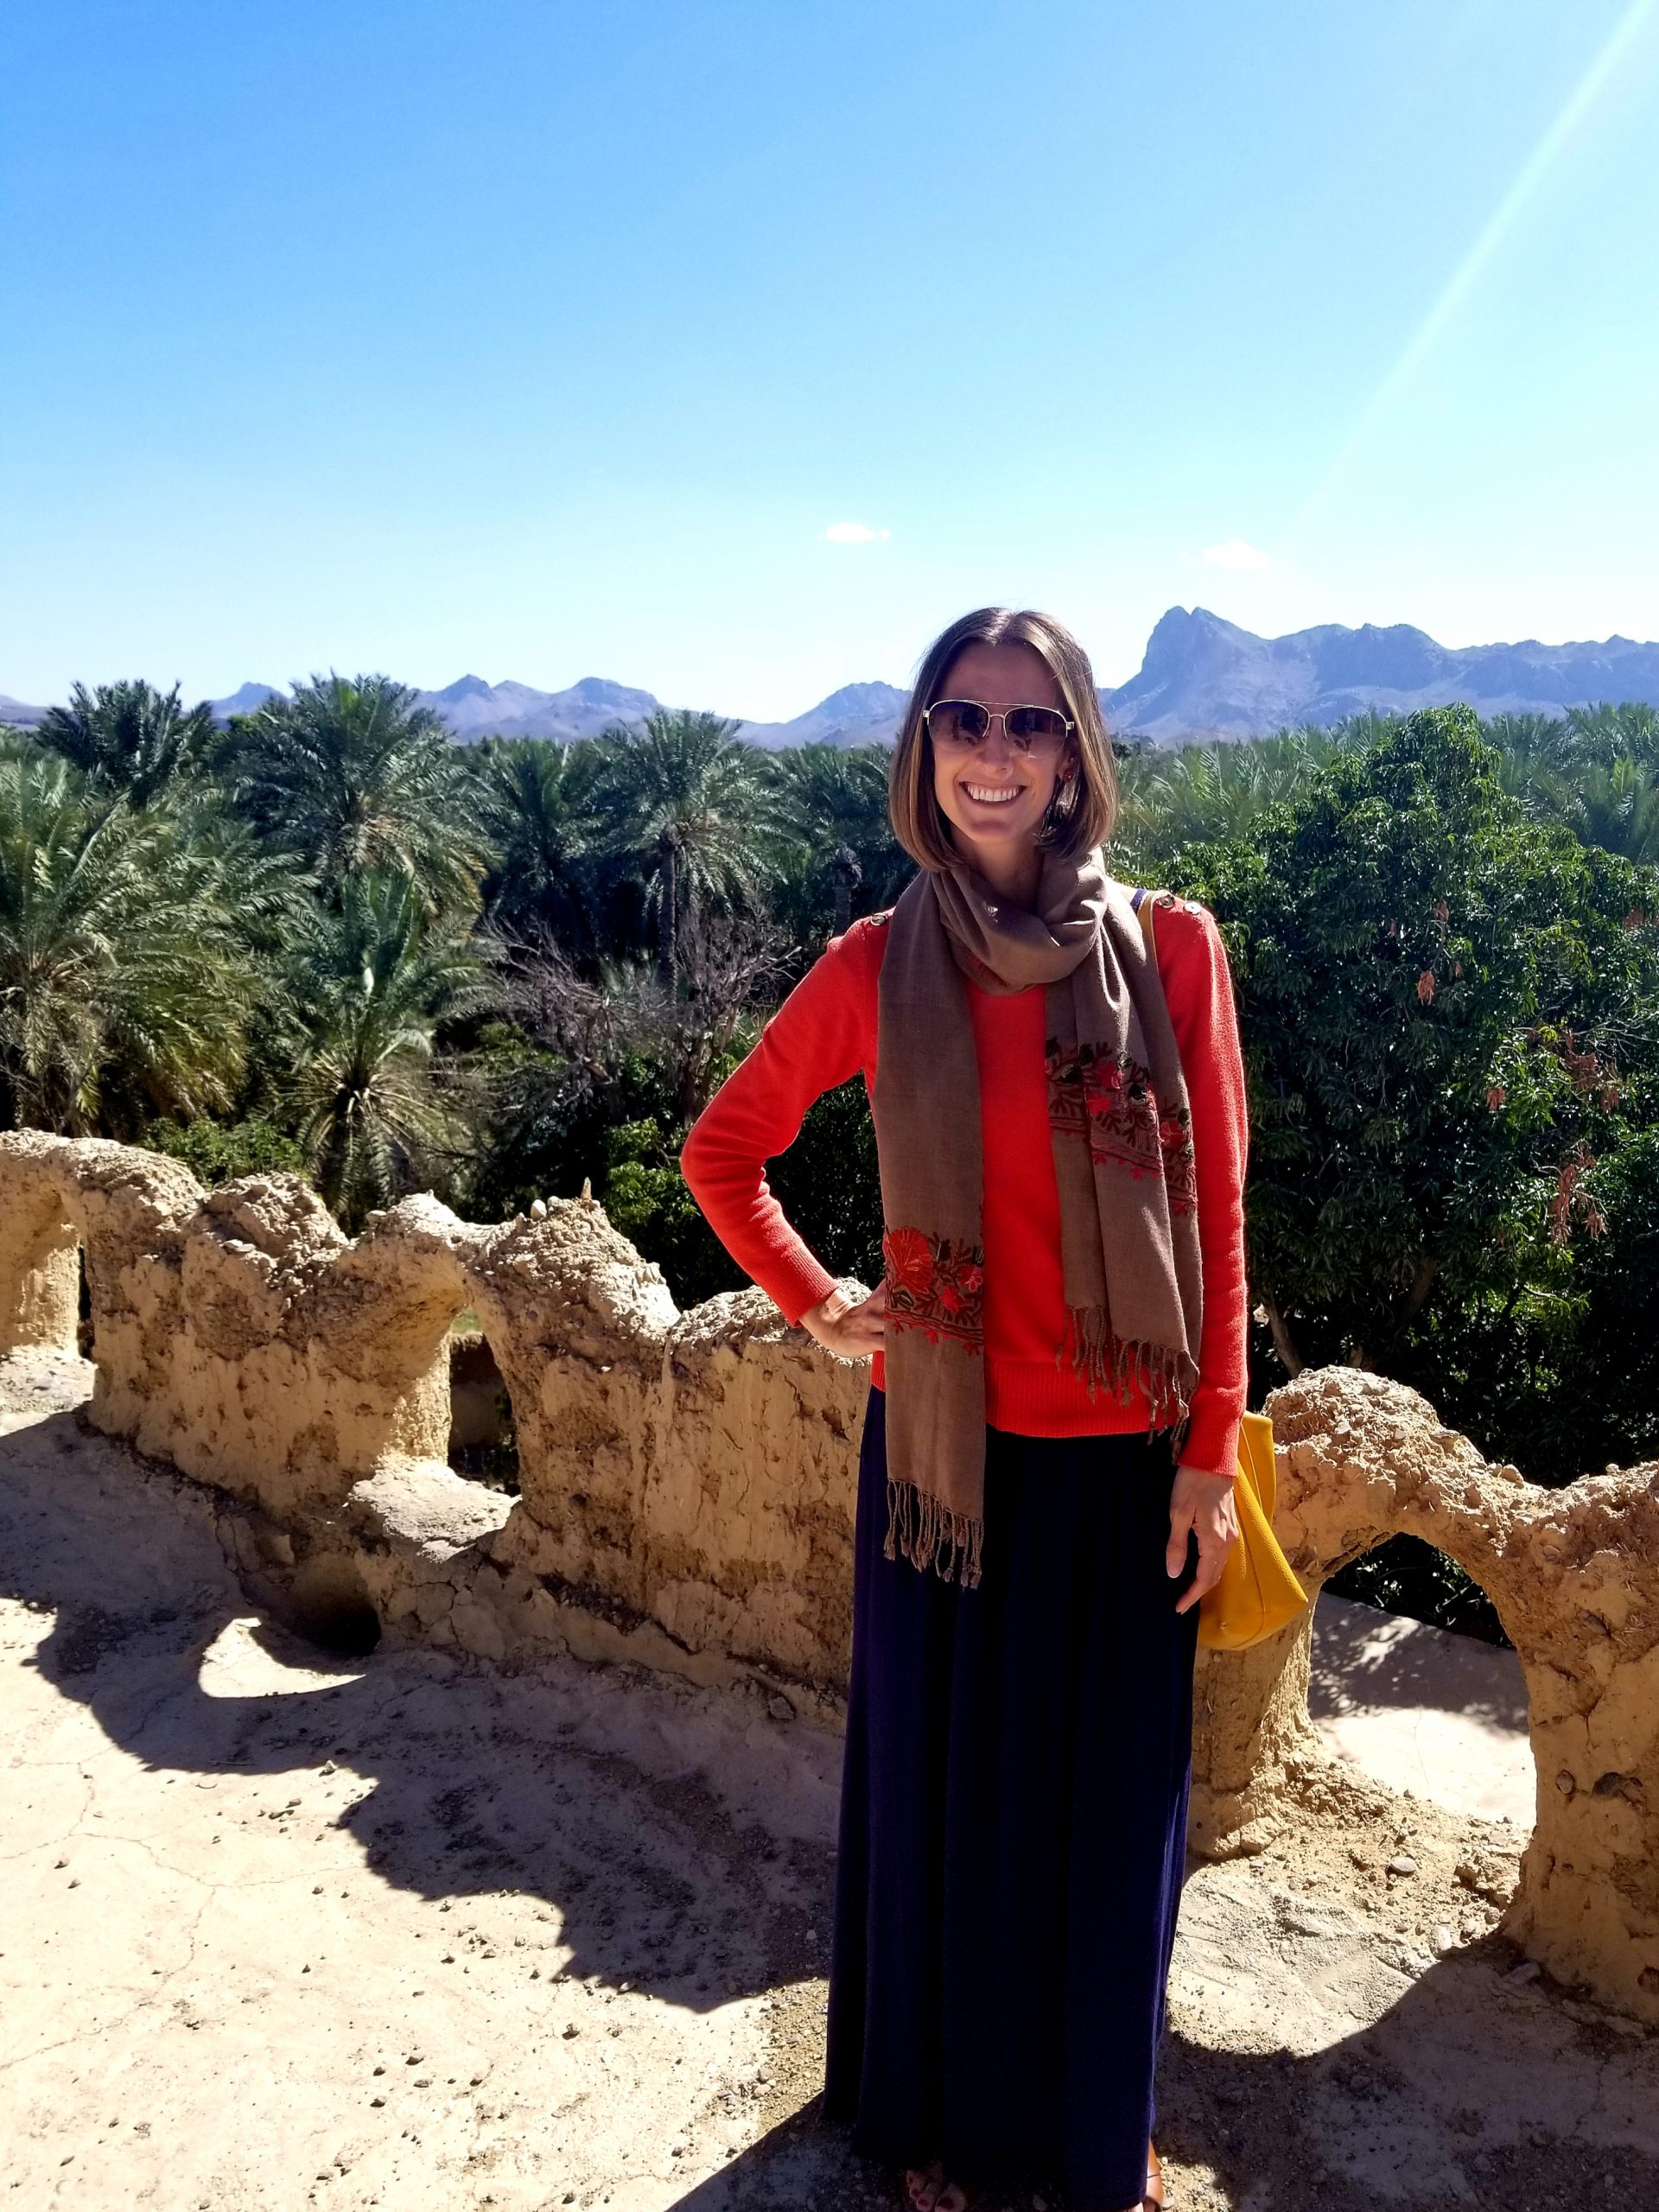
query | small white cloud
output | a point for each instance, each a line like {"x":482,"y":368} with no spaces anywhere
{"x":1236,"y":554}
{"x":853,"y":533}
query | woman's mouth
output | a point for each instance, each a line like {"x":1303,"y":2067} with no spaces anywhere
{"x":988,"y":795}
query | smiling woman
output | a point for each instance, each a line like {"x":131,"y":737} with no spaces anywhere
{"x":1005,"y":717}
{"x":1044,"y":1484}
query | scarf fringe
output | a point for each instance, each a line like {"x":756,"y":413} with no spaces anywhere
{"x":1108,"y":1362}
{"x":929,"y":1533}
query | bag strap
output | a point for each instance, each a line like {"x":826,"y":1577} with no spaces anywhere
{"x":1145,"y":902}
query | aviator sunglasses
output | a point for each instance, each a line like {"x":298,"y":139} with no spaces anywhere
{"x":964,"y":725}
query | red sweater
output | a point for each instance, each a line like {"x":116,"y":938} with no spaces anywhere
{"x":825,"y":1031}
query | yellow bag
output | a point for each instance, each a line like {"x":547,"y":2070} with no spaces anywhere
{"x":1257,"y":1593}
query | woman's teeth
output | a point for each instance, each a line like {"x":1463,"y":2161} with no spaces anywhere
{"x":988,"y":798}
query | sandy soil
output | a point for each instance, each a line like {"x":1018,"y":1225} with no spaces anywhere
{"x":280,"y":1931}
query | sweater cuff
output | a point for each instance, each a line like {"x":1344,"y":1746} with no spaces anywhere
{"x":1211,"y":1446}
{"x":796,"y":1281}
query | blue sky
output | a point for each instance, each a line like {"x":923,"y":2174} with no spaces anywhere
{"x":545,"y":341}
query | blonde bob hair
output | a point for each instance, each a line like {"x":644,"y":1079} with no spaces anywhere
{"x":1088,"y":812}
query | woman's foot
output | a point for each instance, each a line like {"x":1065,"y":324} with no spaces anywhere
{"x":927,"y":2190}
{"x":1155,"y":2196}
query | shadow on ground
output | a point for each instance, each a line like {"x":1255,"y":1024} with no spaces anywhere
{"x":1370,"y":1659}
{"x":1347,"y":2129}
{"x":679,"y":1898}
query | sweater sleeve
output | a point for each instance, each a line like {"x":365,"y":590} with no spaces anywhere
{"x":823,"y":1034}
{"x":1199,"y":986}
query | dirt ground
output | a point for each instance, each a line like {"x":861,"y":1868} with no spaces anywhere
{"x":280,"y":1930}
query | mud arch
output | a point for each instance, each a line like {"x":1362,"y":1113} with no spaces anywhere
{"x":1574,"y":1575}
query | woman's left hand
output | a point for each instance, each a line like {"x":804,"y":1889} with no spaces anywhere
{"x":1200,"y":1505}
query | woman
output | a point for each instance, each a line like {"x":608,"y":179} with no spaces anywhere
{"x":1046,"y":1476}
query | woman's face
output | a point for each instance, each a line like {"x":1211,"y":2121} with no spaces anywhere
{"x":994,"y":799}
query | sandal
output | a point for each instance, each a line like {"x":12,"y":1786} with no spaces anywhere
{"x":1153,"y":2199}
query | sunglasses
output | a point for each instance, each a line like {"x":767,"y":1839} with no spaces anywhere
{"x":962,"y":726}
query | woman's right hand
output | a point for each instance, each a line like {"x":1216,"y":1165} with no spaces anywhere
{"x":851,"y":1332}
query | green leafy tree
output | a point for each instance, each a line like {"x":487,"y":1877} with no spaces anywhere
{"x":132,"y":739}
{"x":350,"y":776}
{"x":223,"y":1152}
{"x":369,"y":982}
{"x":683,"y":806}
{"x":644,"y":1196}
{"x":1440,"y":1004}
{"x":127,"y":981}
{"x":1603,"y":1401}
{"x":829,"y":1183}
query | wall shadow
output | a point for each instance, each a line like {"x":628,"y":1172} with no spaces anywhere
{"x":1350,"y":2128}
{"x":1445,"y":2100}
{"x":804,"y":2165}
{"x":478,"y":1781}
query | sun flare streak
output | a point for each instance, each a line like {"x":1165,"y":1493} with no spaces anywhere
{"x":1498,"y":226}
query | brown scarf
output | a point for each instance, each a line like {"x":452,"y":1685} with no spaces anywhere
{"x":1121,"y":1129}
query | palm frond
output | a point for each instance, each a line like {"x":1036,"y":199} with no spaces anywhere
{"x":351,"y":777}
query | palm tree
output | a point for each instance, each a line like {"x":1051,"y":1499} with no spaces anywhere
{"x":538,"y":805}
{"x":1537,"y":737}
{"x":1537,"y":760}
{"x":1604,"y":733}
{"x":351,"y":776}
{"x":1352,"y":734}
{"x":830,"y":804}
{"x":1202,"y":792}
{"x":130,"y":737}
{"x":1618,"y":808}
{"x":1594,"y":769}
{"x":683,"y":802}
{"x":127,"y":979}
{"x":369,"y":982}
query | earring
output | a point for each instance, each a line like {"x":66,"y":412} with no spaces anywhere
{"x":1062,"y":805}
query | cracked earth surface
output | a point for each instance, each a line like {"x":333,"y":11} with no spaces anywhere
{"x":280,"y":1930}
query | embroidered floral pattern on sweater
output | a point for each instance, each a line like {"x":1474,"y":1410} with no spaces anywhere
{"x":936,"y":1284}
{"x":1107,"y":1099}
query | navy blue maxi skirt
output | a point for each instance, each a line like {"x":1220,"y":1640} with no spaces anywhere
{"x":1012,"y":1825}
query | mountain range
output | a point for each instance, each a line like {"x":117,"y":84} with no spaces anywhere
{"x":1203,"y":677}
{"x":859,"y":713}
{"x":1200,"y":678}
